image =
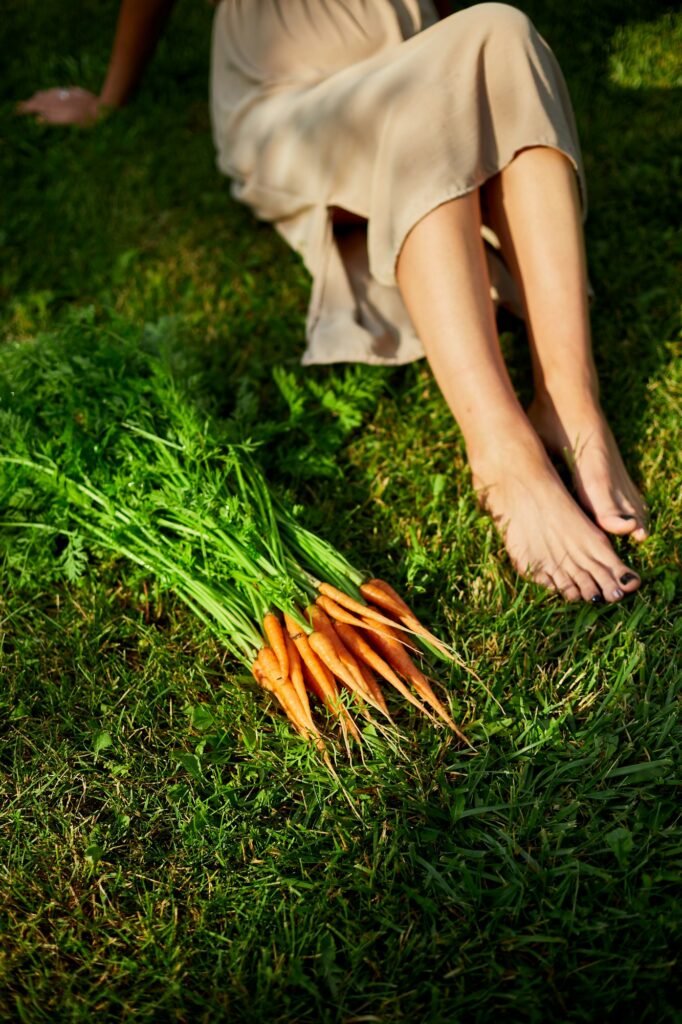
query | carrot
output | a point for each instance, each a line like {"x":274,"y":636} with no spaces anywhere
{"x":283,"y":689}
{"x":333,"y":701}
{"x":361,"y":648}
{"x":385,"y":596}
{"x":373,"y":686}
{"x":323,"y":624}
{"x":273,"y":631}
{"x":319,"y":620}
{"x":396,"y":655}
{"x":264,"y":680}
{"x":339,"y":614}
{"x":325,"y":648}
{"x":319,"y":679}
{"x":362,"y":675}
{"x":336,"y":611}
{"x":296,"y":676}
{"x":333,"y":593}
{"x":323,"y":683}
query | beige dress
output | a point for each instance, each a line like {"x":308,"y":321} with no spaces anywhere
{"x":377,"y":107}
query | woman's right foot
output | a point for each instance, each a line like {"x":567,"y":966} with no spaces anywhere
{"x":547,"y":535}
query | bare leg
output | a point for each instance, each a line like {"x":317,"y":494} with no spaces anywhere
{"x":442,"y":274}
{"x":533,"y":205}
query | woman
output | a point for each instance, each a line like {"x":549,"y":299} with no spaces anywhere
{"x":423,"y":164}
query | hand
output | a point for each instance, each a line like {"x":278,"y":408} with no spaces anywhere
{"x":62,"y":106}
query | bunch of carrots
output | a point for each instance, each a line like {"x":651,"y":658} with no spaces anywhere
{"x":345,"y":643}
{"x":198,"y":514}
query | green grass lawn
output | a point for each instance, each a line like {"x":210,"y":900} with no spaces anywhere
{"x":169,"y":851}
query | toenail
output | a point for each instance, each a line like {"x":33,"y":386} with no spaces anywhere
{"x":597,"y":599}
{"x":623,"y":516}
{"x":627,"y":577}
{"x":618,"y":593}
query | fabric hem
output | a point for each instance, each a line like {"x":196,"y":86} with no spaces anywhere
{"x":418,"y":211}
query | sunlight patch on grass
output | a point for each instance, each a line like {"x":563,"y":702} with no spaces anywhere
{"x":648,"y":54}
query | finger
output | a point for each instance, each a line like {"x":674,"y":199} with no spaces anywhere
{"x":27,"y":106}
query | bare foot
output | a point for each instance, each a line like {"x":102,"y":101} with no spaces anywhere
{"x":548,"y":537}
{"x":581,"y":434}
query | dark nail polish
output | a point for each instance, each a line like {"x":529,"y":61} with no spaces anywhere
{"x":618,"y":593}
{"x":627,"y":577}
{"x":597,"y":599}
{"x":623,"y":516}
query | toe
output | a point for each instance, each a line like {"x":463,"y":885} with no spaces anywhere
{"x":615,"y":578}
{"x":608,"y":581}
{"x":629,"y":580}
{"x":617,"y":520}
{"x":565,"y":585}
{"x":571,"y":593}
{"x":585,"y":583}
{"x":543,"y":579}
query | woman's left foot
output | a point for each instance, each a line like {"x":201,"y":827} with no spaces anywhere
{"x":583,"y":437}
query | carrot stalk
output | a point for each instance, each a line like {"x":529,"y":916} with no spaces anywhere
{"x":361,"y":648}
{"x":272,"y":628}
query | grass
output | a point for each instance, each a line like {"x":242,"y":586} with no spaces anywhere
{"x":168,"y":850}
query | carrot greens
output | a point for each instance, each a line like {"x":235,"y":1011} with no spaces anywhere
{"x":139,"y":470}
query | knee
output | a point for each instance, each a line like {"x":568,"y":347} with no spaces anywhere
{"x":501,"y":22}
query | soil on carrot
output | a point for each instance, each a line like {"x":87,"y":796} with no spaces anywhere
{"x":170,"y":848}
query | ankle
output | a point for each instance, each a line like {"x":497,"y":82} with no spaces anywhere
{"x":516,"y":445}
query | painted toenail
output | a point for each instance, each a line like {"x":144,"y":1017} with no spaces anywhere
{"x":618,"y":593}
{"x":621,"y":515}
{"x":627,"y":577}
{"x":597,"y":599}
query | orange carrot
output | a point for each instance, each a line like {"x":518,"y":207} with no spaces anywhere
{"x":385,"y":596}
{"x":336,"y":611}
{"x":339,"y":614}
{"x":280,"y":695}
{"x":296,"y":676}
{"x":273,"y":631}
{"x":396,"y":655}
{"x":319,"y":679}
{"x":372,"y":685}
{"x":332,"y":701}
{"x":324,"y":686}
{"x":323,"y":624}
{"x":319,"y":620}
{"x":333,"y":593}
{"x":283,"y":689}
{"x":361,"y":648}
{"x":328,"y":653}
